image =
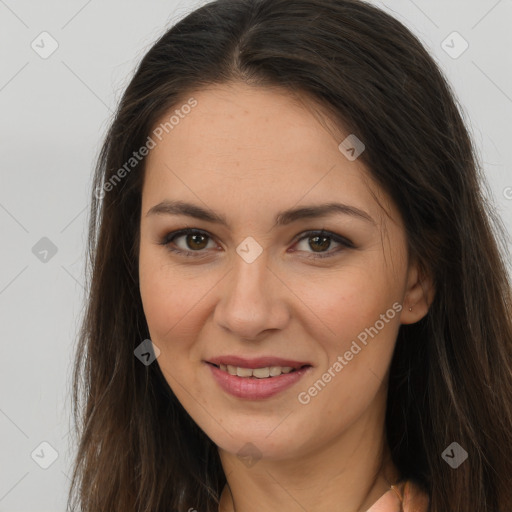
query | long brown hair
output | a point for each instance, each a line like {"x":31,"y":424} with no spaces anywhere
{"x":451,"y":375}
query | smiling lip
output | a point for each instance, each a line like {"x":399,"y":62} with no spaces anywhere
{"x":252,"y":388}
{"x":257,"y":362}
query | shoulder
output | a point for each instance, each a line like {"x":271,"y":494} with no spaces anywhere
{"x":402,"y":497}
{"x":414,"y":499}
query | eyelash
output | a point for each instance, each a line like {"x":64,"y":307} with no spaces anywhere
{"x":170,"y":237}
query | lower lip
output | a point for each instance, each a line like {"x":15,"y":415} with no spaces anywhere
{"x":252,"y":388}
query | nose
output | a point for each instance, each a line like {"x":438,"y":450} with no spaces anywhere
{"x":253,"y":299}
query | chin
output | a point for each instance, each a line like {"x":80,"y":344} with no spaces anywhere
{"x":264,"y":442}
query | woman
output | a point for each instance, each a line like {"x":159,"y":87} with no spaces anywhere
{"x":297,"y":297}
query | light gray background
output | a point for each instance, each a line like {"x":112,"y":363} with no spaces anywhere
{"x":54,"y":113}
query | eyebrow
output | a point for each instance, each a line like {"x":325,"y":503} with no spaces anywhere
{"x":283,"y":218}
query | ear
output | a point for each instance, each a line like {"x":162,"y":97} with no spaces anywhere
{"x":419,"y":295}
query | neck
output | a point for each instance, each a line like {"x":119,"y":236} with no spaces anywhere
{"x":348,"y":475}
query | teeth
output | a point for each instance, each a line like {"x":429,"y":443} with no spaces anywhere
{"x":243,"y":372}
{"x":275,"y":371}
{"x":259,"y":373}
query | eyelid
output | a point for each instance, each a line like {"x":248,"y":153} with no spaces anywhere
{"x":170,"y":237}
{"x":343,"y":241}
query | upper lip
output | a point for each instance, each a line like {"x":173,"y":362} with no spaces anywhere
{"x":257,"y":362}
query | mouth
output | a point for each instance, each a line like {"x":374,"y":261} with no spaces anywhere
{"x":256,"y":379}
{"x":264,"y":372}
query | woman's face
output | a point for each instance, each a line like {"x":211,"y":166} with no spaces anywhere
{"x":264,"y":291}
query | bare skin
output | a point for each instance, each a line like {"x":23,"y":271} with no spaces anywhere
{"x":248,"y":153}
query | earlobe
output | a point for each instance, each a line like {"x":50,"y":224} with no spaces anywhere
{"x":419,"y":295}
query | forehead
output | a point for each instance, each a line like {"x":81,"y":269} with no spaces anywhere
{"x":253,"y":147}
{"x":231,"y":121}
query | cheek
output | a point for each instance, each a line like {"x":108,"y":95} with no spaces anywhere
{"x":173,"y":299}
{"x":168,"y":307}
{"x":167,"y":295}
{"x":349,"y":300}
{"x":158,"y":299}
{"x":164,"y":304}
{"x":359,"y":312}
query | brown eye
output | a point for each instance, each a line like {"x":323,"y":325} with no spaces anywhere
{"x":319,"y":242}
{"x":193,"y":241}
{"x":196,"y":241}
